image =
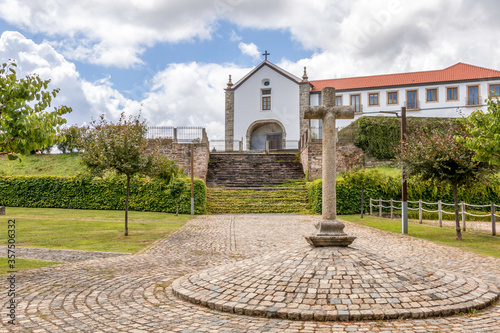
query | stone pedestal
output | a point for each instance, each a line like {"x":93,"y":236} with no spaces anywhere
{"x":329,"y":233}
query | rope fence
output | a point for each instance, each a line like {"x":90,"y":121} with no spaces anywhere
{"x":489,"y":210}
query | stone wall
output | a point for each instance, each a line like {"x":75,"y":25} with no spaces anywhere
{"x":181,"y":152}
{"x":348,"y":157}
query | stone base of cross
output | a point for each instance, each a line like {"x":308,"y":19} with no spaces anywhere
{"x":329,"y":230}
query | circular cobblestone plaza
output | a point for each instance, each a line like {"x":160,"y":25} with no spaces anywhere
{"x":256,"y":273}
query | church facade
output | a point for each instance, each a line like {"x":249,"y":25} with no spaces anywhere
{"x":263,"y":108}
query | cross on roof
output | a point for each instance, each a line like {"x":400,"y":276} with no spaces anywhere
{"x":266,"y":54}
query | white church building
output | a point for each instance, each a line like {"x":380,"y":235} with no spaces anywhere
{"x":265,"y":105}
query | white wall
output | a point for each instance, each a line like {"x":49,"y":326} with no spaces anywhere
{"x":440,"y":108}
{"x":284,"y":103}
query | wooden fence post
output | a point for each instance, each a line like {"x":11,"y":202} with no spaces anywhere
{"x":371,"y":207}
{"x":392,"y":208}
{"x":380,"y":207}
{"x":493,"y":218}
{"x":463,"y":216}
{"x":440,"y":213}
{"x":420,"y":211}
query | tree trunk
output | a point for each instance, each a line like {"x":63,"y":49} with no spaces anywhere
{"x":362,"y":199}
{"x":177,"y":208}
{"x":457,"y":219}
{"x":126,"y":205}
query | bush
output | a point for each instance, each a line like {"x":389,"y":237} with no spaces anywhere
{"x":387,"y":187}
{"x":378,"y":136}
{"x":108,"y":193}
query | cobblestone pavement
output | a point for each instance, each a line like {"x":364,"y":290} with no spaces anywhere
{"x":133,"y":293}
{"x":61,"y":255}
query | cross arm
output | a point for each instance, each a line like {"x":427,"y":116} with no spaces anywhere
{"x":319,"y":112}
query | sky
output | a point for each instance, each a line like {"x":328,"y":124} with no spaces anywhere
{"x":169,"y":60}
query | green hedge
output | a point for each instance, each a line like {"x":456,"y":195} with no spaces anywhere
{"x":387,"y":187}
{"x":378,"y":136}
{"x":85,"y":192}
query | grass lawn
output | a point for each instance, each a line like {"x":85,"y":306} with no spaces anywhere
{"x":42,"y":165}
{"x":23,"y":264}
{"x":478,"y":242}
{"x":88,"y":230}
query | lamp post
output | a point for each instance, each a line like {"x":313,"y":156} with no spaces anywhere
{"x":404,"y":188}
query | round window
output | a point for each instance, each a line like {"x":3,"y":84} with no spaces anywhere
{"x":266,"y":82}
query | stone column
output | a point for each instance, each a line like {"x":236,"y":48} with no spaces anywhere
{"x":229,"y":117}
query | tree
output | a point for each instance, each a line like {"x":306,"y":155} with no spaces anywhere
{"x":71,"y":136}
{"x":175,"y":189}
{"x":25,"y":125}
{"x":484,"y":133}
{"x":437,"y":156}
{"x":121,"y":147}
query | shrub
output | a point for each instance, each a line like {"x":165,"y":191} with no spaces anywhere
{"x":107,"y":193}
{"x":389,"y":187}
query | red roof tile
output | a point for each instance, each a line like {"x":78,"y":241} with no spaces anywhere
{"x":458,"y":72}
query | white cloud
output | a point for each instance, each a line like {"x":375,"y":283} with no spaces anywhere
{"x":86,"y":98}
{"x":249,"y":49}
{"x":181,"y":95}
{"x":383,"y":35}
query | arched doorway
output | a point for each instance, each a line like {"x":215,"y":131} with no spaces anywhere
{"x":261,"y":131}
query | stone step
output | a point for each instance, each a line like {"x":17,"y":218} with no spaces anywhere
{"x":252,"y":170}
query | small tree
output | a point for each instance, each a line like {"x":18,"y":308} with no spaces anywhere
{"x":25,"y":125}
{"x":438,"y":157}
{"x":121,"y":147}
{"x":175,"y":190}
{"x":71,"y":137}
{"x":484,"y":133}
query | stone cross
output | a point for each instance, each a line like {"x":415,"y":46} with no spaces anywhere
{"x":329,"y":230}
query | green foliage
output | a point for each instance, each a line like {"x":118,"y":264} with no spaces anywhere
{"x":175,"y":190}
{"x":375,"y":184}
{"x":164,"y":168}
{"x":71,"y":136}
{"x":86,"y":192}
{"x":379,"y":136}
{"x":25,"y":125}
{"x":484,"y":133}
{"x":388,"y":187}
{"x":121,"y":146}
{"x":437,"y":156}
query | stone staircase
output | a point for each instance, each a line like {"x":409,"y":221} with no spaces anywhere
{"x":289,"y":200}
{"x":252,"y":169}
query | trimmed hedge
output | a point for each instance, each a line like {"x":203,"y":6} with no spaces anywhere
{"x":387,"y":187}
{"x":378,"y":136}
{"x":85,"y":192}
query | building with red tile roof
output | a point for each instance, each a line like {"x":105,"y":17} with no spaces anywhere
{"x":264,"y":105}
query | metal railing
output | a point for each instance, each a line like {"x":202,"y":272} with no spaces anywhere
{"x":491,"y":214}
{"x":178,"y":134}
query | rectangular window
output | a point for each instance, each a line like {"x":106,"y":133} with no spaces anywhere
{"x":266,"y":103}
{"x":356,"y":102}
{"x":338,"y":100}
{"x":411,"y":99}
{"x":473,"y":95}
{"x":266,"y":92}
{"x":392,"y":97}
{"x":452,"y":94}
{"x":494,"y":90}
{"x":373,"y":99}
{"x":432,"y":95}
